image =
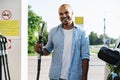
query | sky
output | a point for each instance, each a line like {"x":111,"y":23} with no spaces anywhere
{"x":93,"y":11}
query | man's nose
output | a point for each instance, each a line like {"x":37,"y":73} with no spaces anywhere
{"x":64,"y":15}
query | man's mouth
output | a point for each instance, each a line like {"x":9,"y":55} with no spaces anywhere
{"x":65,"y":19}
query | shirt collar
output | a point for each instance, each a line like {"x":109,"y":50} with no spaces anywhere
{"x":75,"y":26}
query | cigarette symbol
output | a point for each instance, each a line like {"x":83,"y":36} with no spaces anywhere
{"x":6,"y":14}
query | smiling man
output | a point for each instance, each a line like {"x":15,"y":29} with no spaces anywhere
{"x":69,"y":47}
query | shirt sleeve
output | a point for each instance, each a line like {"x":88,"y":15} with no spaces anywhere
{"x":85,"y":47}
{"x":49,"y":45}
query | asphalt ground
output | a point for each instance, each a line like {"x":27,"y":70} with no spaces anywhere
{"x":96,"y":68}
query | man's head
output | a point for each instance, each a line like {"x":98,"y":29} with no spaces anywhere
{"x":65,"y":14}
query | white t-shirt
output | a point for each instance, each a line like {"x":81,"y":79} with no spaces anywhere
{"x":67,"y":53}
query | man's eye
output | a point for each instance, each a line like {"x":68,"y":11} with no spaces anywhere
{"x":66,"y":12}
{"x":60,"y":13}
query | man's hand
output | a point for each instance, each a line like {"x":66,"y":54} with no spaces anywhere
{"x":37,"y":47}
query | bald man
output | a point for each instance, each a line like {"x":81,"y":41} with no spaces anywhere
{"x":69,"y":47}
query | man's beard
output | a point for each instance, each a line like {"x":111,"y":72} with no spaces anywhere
{"x":65,"y":21}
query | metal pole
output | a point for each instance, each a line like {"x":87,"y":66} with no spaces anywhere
{"x":104,"y":31}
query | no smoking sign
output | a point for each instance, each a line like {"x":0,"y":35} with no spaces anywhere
{"x":6,"y":14}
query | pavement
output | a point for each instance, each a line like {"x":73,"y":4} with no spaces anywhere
{"x":96,"y":68}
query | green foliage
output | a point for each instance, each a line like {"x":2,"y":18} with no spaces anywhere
{"x":98,"y":40}
{"x":115,"y":69}
{"x":94,"y":39}
{"x":34,"y":26}
{"x":45,"y":37}
{"x":112,"y":40}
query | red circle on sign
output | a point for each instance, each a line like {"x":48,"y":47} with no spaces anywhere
{"x":6,"y":14}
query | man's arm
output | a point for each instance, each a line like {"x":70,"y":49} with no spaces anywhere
{"x":85,"y":67}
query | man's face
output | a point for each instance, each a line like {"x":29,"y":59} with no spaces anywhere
{"x":65,"y":15}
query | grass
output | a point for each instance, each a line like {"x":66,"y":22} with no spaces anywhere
{"x":32,"y":54}
{"x":93,"y":49}
{"x":96,"y":48}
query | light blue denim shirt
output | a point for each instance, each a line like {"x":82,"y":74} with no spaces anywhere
{"x":80,"y":50}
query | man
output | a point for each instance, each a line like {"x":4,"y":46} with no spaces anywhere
{"x":69,"y":47}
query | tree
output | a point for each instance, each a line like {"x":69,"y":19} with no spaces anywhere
{"x":93,"y":38}
{"x":97,"y":40}
{"x":34,"y":27}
